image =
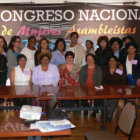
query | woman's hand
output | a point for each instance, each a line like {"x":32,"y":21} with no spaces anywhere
{"x":138,"y":82}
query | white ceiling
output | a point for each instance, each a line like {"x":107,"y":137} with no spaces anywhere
{"x":62,"y":1}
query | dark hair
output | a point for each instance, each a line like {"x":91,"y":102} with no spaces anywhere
{"x":92,"y":55}
{"x":30,"y":37}
{"x":69,"y":53}
{"x":57,"y":42}
{"x":40,"y":41}
{"x":132,"y":40}
{"x":132,"y":44}
{"x":116,"y":39}
{"x":5,"y":43}
{"x":101,"y":38}
{"x":114,"y":57}
{"x":90,"y":42}
{"x":44,"y":55}
{"x":21,"y":56}
{"x":74,"y":33}
{"x":13,"y":40}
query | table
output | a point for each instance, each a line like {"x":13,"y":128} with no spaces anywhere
{"x":64,"y":93}
{"x":12,"y":126}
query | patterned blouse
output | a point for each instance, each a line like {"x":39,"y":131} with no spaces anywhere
{"x":69,"y":78}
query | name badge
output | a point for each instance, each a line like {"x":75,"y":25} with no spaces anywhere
{"x":120,"y":72}
{"x":27,"y":72}
{"x":134,"y":62}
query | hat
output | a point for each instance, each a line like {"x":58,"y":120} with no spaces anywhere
{"x":48,"y":53}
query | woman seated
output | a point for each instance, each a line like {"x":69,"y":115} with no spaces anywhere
{"x":91,"y":75}
{"x":45,"y":73}
{"x":21,"y":75}
{"x":69,"y":74}
{"x":131,"y":62}
{"x":113,"y":75}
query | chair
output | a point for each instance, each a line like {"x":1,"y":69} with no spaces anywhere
{"x":126,"y":124}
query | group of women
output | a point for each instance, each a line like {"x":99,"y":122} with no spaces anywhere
{"x":115,"y":62}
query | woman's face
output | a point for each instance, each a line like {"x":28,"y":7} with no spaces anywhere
{"x":69,"y":59}
{"x":32,"y":42}
{"x":88,"y":45}
{"x":44,"y":44}
{"x":74,"y":39}
{"x":22,"y":62}
{"x":45,"y":61}
{"x":17,"y":43}
{"x":131,"y":50}
{"x":112,"y":63}
{"x":90,"y":60}
{"x":103,"y":44}
{"x":115,"y":46}
{"x":127,"y":40}
{"x":60,"y":46}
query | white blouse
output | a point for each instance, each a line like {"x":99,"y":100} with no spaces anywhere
{"x":128,"y":66}
{"x":22,"y":77}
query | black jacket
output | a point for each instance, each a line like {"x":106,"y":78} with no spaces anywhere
{"x":135,"y":68}
{"x":102,"y":57}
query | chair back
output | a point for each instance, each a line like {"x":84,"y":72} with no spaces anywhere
{"x":127,"y":118}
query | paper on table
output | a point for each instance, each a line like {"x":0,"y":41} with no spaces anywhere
{"x":45,"y":126}
{"x":99,"y":87}
{"x":33,"y":126}
{"x":60,"y":122}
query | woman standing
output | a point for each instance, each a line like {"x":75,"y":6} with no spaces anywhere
{"x":59,"y":51}
{"x":3,"y":61}
{"x":116,"y":44}
{"x":76,"y":48}
{"x":13,"y":51}
{"x":29,"y":52}
{"x":42,"y":48}
{"x":104,"y":52}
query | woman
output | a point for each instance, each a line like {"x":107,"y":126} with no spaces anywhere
{"x":45,"y":73}
{"x":21,"y":75}
{"x":3,"y":61}
{"x":127,"y":39}
{"x":69,"y":72}
{"x":13,"y":51}
{"x":43,"y":47}
{"x":29,"y":52}
{"x":91,"y":75}
{"x":116,"y":44}
{"x":69,"y":75}
{"x":104,"y":52}
{"x":59,"y":51}
{"x":89,"y":49}
{"x":76,"y":48}
{"x":113,"y":75}
{"x":131,"y":63}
